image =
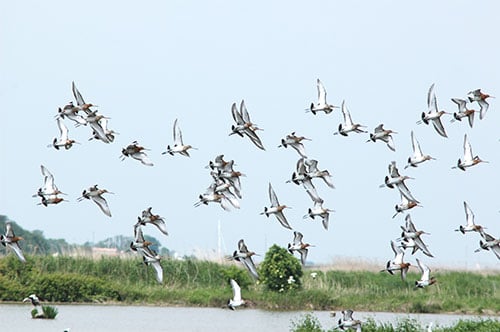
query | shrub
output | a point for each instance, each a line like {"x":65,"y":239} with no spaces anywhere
{"x":280,"y":271}
{"x":306,"y":323}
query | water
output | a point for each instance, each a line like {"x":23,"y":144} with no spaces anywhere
{"x":151,"y":318}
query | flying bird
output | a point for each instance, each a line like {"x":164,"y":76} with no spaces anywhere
{"x":321,"y":105}
{"x":10,"y":240}
{"x":433,"y":114}
{"x":49,"y":192}
{"x":347,"y":322}
{"x":463,"y":111}
{"x":179,"y":146}
{"x":154,"y":219}
{"x":244,"y":126}
{"x":469,"y":159}
{"x":397,"y":263}
{"x":33,"y":299}
{"x":236,"y":301}
{"x":405,"y":204}
{"x":276,"y":209}
{"x":418,"y":156}
{"x":383,"y":135}
{"x":295,"y":142}
{"x":136,"y":151}
{"x":95,"y":194}
{"x":395,"y":179}
{"x":299,"y":246}
{"x":244,"y":256}
{"x":489,"y":243}
{"x":411,"y":232}
{"x":318,"y":211}
{"x":470,"y":225}
{"x":477,"y":95}
{"x":425,"y":279}
{"x":63,"y":140}
{"x":348,"y":126}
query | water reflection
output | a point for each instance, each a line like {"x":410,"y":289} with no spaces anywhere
{"x":150,"y":318}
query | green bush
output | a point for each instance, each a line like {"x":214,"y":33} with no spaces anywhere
{"x":306,"y":323}
{"x":280,"y":271}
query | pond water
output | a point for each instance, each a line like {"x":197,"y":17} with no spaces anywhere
{"x":16,"y":318}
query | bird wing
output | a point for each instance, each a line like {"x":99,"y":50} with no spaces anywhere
{"x":431,"y":100}
{"x":299,"y":147}
{"x":158,"y":269}
{"x":398,"y":253}
{"x":236,"y":115}
{"x":321,"y":92}
{"x":62,"y":129}
{"x":393,"y":170}
{"x":297,"y":238}
{"x":254,"y":138}
{"x":483,"y":104}
{"x":347,"y":116}
{"x":272,"y":196}
{"x":421,"y":245}
{"x":438,"y":125}
{"x":424,"y":269}
{"x":281,"y":218}
{"x":9,"y":232}
{"x":469,"y":215}
{"x":236,"y":290}
{"x":244,"y":112}
{"x":99,"y":131}
{"x":161,"y":225}
{"x":390,"y":143}
{"x":17,"y":250}
{"x":326,"y":219}
{"x":177,"y":134}
{"x":303,"y":255}
{"x":77,"y":94}
{"x":467,"y":149}
{"x":103,"y":205}
{"x":417,"y":151}
{"x":410,"y":227}
{"x":49,"y":186}
{"x":242,"y":247}
{"x":403,"y":189}
{"x":460,"y":103}
{"x":379,"y":128}
{"x":250,"y":265}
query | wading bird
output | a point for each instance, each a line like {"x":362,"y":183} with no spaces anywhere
{"x":95,"y":194}
{"x":383,"y":135}
{"x":425,"y":279}
{"x":418,"y":156}
{"x":321,"y":105}
{"x":477,"y":95}
{"x":299,"y":246}
{"x":10,"y":240}
{"x":276,"y":208}
{"x":468,"y":159}
{"x":179,"y":146}
{"x":433,"y":114}
{"x":236,"y":301}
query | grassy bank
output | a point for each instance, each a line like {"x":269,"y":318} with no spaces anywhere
{"x":202,"y":283}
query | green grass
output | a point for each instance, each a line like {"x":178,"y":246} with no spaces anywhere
{"x":202,"y":283}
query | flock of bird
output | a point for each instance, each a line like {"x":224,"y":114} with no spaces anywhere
{"x":225,"y":187}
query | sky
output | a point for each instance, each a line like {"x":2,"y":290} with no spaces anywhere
{"x":147,"y":64}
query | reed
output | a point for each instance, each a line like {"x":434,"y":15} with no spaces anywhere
{"x":203,"y":283}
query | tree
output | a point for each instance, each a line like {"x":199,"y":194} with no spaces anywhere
{"x":280,"y":271}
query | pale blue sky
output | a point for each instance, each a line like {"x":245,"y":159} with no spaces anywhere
{"x":146,"y":64}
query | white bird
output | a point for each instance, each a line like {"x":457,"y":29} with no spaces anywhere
{"x":295,"y":142}
{"x":35,"y":300}
{"x":318,"y":211}
{"x":384,"y":135}
{"x":236,"y":301}
{"x":299,"y":246}
{"x":470,"y":225}
{"x":348,"y":322}
{"x":394,"y":179}
{"x":244,"y":126}
{"x":10,"y":240}
{"x":49,"y":192}
{"x":434,"y":114}
{"x":321,"y":105}
{"x":468,"y":159}
{"x":405,"y":204}
{"x":244,"y":256}
{"x":154,"y":219}
{"x":410,"y":232}
{"x":463,"y":111}
{"x":63,"y":140}
{"x":489,"y":243}
{"x":95,"y":194}
{"x":178,"y":146}
{"x":276,"y":209}
{"x":136,"y":151}
{"x":425,"y":279}
{"x":477,"y":95}
{"x":397,"y":263}
{"x":418,"y":156}
{"x":348,"y":126}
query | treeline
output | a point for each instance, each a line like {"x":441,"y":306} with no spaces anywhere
{"x":35,"y":243}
